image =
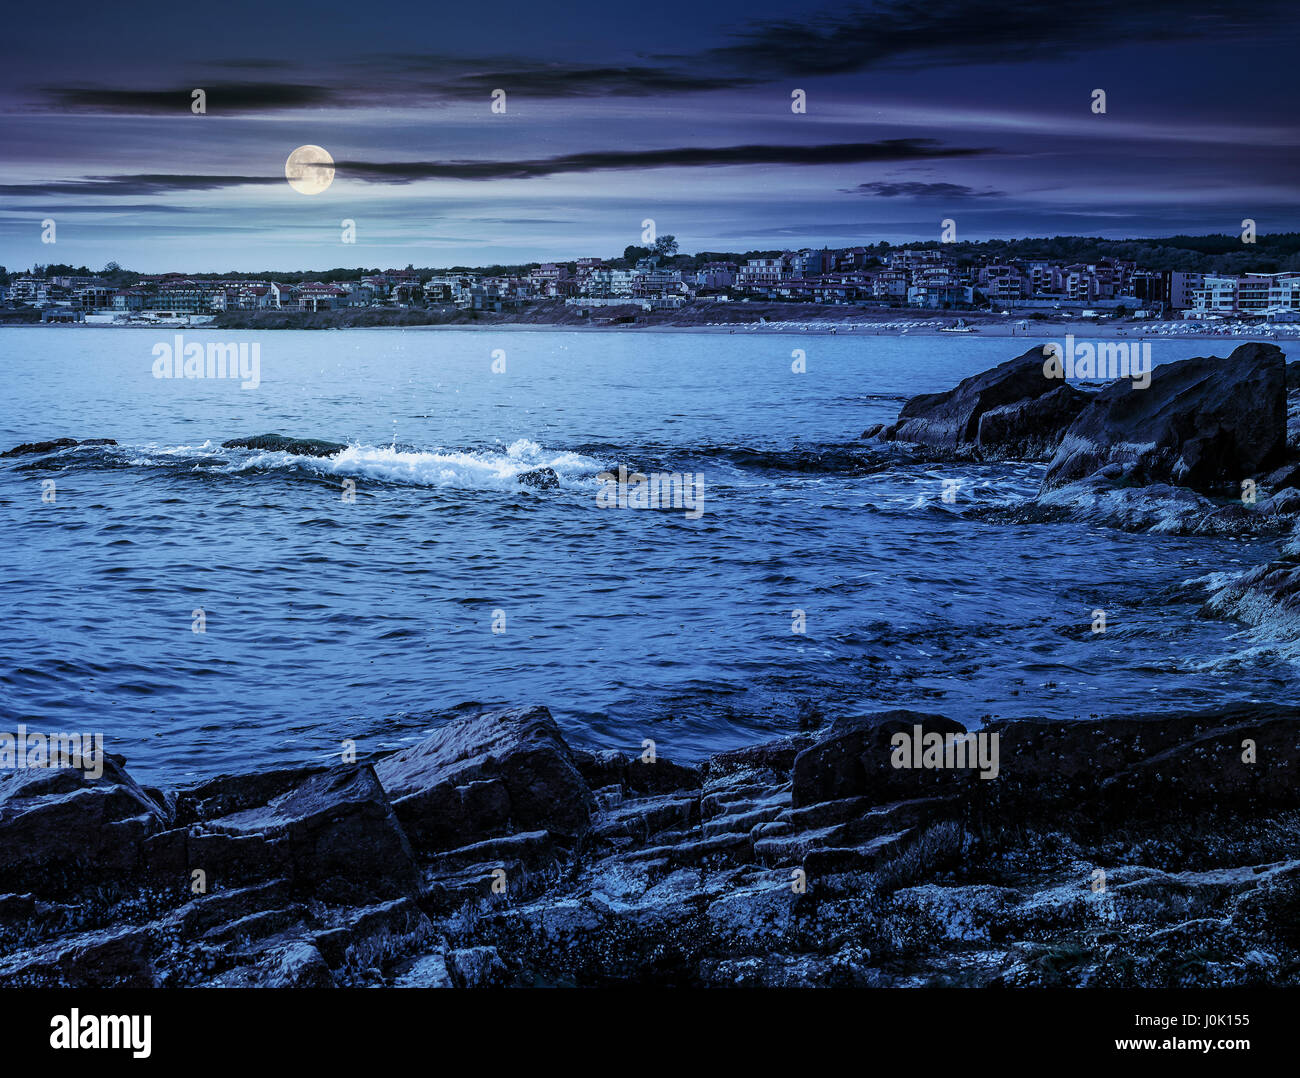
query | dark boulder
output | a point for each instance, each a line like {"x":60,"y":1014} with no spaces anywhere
{"x":1029,"y":429}
{"x":35,"y":448}
{"x":1267,"y":594}
{"x":1288,"y":475}
{"x":1205,"y":423}
{"x":227,"y":794}
{"x":856,"y":760}
{"x":539,"y":479}
{"x":481,"y":776}
{"x":951,"y":420}
{"x":1147,"y":766}
{"x":333,"y":825}
{"x":60,"y":827}
{"x":279,"y":443}
{"x":634,"y":774}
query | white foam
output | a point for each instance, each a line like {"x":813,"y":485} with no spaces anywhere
{"x":477,"y":469}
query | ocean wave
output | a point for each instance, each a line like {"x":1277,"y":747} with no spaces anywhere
{"x":469,"y":468}
{"x":497,"y":467}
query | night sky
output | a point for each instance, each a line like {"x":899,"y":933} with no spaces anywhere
{"x":677,"y":111}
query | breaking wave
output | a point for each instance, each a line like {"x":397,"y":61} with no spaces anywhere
{"x":498,"y":467}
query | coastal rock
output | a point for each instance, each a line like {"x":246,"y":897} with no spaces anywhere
{"x":1288,"y":475}
{"x":854,"y":760}
{"x":1133,"y":767}
{"x":1030,"y":429}
{"x":539,"y":479}
{"x":37,"y":448}
{"x":279,"y":443}
{"x":1112,"y":498}
{"x":477,"y":776}
{"x":1205,"y":423}
{"x":951,"y":420}
{"x":809,"y":860}
{"x":336,"y":824}
{"x":60,"y":827}
{"x":1267,"y":595}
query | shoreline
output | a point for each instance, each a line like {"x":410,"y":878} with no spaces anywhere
{"x":1134,"y":331}
{"x":1146,"y":854}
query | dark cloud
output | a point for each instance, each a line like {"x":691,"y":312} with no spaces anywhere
{"x":140,"y":184}
{"x":903,"y":33}
{"x":222,"y":97}
{"x":915,"y":189}
{"x":890,"y":150}
{"x":456,"y":78}
{"x":891,"y":34}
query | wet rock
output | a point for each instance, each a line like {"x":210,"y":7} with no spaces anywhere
{"x":1030,"y":429}
{"x":951,"y":419}
{"x":227,"y":794}
{"x":539,"y":479}
{"x":41,"y":448}
{"x":479,"y":776}
{"x":336,"y":823}
{"x":358,"y":939}
{"x":1288,"y":475}
{"x":298,"y":965}
{"x":807,"y":861}
{"x":280,"y":443}
{"x":634,"y":774}
{"x":854,"y":760}
{"x":117,"y":958}
{"x":1285,"y":502}
{"x":1268,"y":596}
{"x":477,"y":967}
{"x":1204,"y":423}
{"x":61,"y":826}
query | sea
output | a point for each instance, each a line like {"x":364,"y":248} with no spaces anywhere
{"x":212,"y":610}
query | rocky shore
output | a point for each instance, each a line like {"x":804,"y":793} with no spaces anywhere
{"x":884,"y":849}
{"x":1143,"y":851}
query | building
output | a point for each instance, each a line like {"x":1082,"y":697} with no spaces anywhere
{"x":1002,"y":283}
{"x":315,"y":296}
{"x":1284,"y":293}
{"x":810,"y":263}
{"x":890,"y":285}
{"x":909,"y":260}
{"x":1217,"y":295}
{"x":651,"y":280}
{"x":940,"y":295}
{"x":1182,"y":289}
{"x":763,"y":274}
{"x":716,"y":276}
{"x":605,"y":283}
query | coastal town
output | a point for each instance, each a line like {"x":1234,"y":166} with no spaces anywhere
{"x":920,"y":278}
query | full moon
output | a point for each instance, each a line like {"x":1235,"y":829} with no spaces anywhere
{"x":309,"y":170}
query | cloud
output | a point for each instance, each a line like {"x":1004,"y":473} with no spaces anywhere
{"x":403,"y":172}
{"x":456,"y":78}
{"x":132,"y":185}
{"x":905,"y":34}
{"x":887,"y":35}
{"x":224,"y":97}
{"x":891,"y":150}
{"x":915,"y":189}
